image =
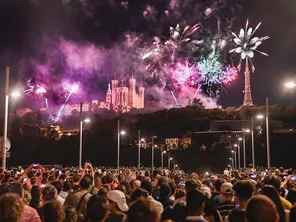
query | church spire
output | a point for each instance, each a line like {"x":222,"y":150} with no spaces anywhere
{"x":114,"y":75}
{"x":109,"y":88}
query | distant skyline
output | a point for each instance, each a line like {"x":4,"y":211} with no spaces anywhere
{"x":30,"y":28}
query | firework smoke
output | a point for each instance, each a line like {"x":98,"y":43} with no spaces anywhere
{"x":176,"y":49}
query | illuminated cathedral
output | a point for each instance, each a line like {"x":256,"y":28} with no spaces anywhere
{"x":123,"y":98}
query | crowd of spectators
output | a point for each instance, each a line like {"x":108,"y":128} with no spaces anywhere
{"x":145,"y":195}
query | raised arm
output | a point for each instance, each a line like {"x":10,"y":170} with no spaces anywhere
{"x":83,"y":172}
{"x":26,"y":171}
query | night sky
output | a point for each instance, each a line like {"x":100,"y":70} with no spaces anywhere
{"x":30,"y":28}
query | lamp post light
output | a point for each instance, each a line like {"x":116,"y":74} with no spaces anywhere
{"x":260,"y":116}
{"x":15,"y":94}
{"x":118,"y":142}
{"x":162,"y":153}
{"x":87,"y":120}
{"x":290,"y":85}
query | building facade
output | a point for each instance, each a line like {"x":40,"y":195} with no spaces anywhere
{"x":70,"y":108}
{"x":118,"y":98}
{"x":122,"y":98}
{"x":21,"y":112}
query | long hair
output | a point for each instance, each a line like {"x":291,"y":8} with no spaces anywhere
{"x":271,"y":192}
{"x":11,"y":208}
{"x":53,"y":212}
{"x":143,"y":210}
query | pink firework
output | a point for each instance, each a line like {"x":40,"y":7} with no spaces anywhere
{"x":70,"y":87}
{"x":185,"y":73}
{"x":228,"y":75}
{"x":40,"y":90}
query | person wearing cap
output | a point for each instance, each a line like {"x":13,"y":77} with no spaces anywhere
{"x":228,"y":203}
{"x":117,"y":206}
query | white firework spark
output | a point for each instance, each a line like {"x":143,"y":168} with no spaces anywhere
{"x":179,"y":36}
{"x":247,"y":44}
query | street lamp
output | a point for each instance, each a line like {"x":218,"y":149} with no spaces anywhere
{"x":231,"y":162}
{"x":290,"y":85}
{"x":244,"y":143}
{"x":7,"y":95}
{"x":87,"y":120}
{"x":162,"y":153}
{"x":260,"y":116}
{"x":118,"y":142}
{"x":152,"y":150}
{"x":139,"y":147}
{"x":238,"y":153}
{"x":234,"y":156}
{"x":169,"y":162}
{"x":15,"y":94}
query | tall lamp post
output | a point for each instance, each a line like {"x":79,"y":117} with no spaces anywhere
{"x":5,"y":128}
{"x":139,"y":148}
{"x":152,"y":154}
{"x":234,"y":157}
{"x":253,"y":145}
{"x":231,"y":162}
{"x":244,"y":148}
{"x":238,"y":152}
{"x":267,"y":134}
{"x":5,"y":119}
{"x":81,"y":136}
{"x":142,"y":140}
{"x":118,"y":142}
{"x":162,"y":153}
{"x":244,"y":145}
{"x":169,"y":162}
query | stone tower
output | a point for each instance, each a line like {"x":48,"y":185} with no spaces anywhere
{"x":114,"y":89}
{"x":109,"y":95}
{"x":141,"y":97}
{"x":132,"y":92}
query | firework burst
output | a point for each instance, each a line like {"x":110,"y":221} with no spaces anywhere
{"x":247,"y":44}
{"x":210,"y":69}
{"x":228,"y":75}
{"x":185,"y":73}
{"x":179,"y":37}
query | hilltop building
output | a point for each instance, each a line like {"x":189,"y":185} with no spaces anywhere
{"x":118,"y":98}
{"x":21,"y":112}
{"x":121,"y":98}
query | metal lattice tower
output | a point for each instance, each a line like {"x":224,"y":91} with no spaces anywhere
{"x":247,"y":94}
